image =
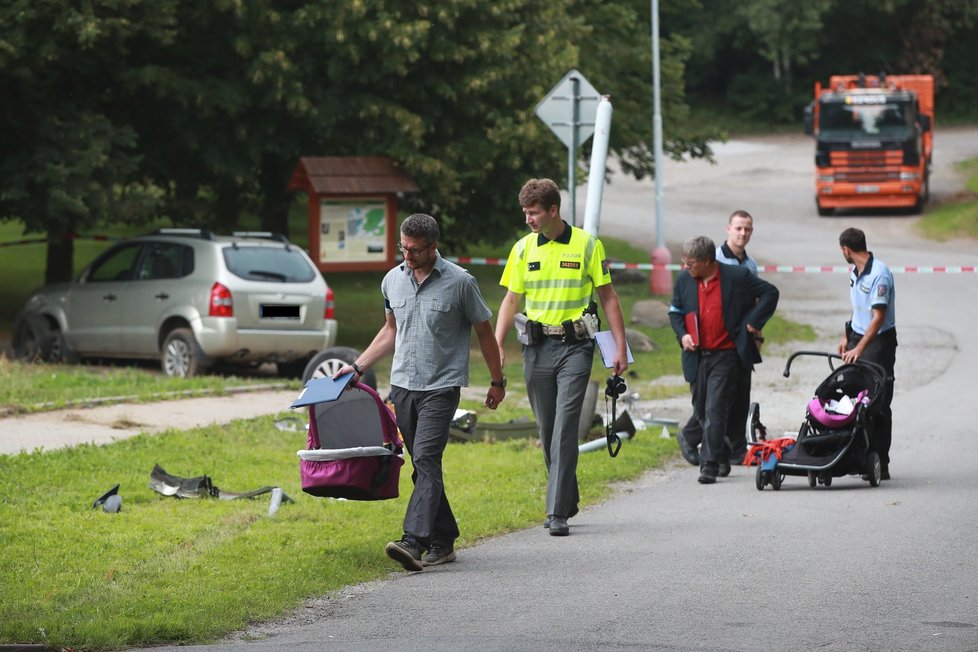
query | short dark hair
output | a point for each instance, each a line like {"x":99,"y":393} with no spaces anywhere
{"x":699,"y":248}
{"x":739,"y":213}
{"x":540,"y":192}
{"x":855,"y":239}
{"x":421,"y":225}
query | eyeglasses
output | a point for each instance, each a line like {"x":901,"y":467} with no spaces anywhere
{"x":414,"y":252}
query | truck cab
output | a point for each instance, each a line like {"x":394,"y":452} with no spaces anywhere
{"x":873,"y":141}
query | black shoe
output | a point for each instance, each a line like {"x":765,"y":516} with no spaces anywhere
{"x":438,"y":553}
{"x":724,"y":469}
{"x":688,"y":451}
{"x":884,"y":473}
{"x":546,"y":521}
{"x":708,"y":474}
{"x":405,"y":553}
{"x":558,"y":526}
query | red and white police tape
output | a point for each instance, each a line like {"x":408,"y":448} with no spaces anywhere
{"x":500,"y":262}
{"x":804,"y":269}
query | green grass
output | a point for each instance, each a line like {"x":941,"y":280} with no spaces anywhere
{"x":34,"y":388}
{"x":188,"y":571}
{"x":959,"y":217}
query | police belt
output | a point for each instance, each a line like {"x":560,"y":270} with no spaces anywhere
{"x":579,"y":330}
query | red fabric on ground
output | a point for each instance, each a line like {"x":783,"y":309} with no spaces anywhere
{"x":763,"y":450}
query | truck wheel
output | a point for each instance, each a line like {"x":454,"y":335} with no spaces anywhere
{"x":32,"y":338}
{"x":823,"y":212}
{"x":328,"y":362}
{"x":181,"y":356}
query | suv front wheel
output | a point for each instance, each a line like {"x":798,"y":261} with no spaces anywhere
{"x":181,"y":356}
{"x":328,"y":362}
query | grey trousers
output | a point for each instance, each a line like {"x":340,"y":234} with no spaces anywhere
{"x":424,"y":418}
{"x":557,"y":376}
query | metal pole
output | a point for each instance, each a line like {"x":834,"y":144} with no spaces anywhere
{"x":572,"y":150}
{"x":660,"y":280}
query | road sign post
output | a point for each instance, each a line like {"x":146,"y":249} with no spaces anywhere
{"x":569,"y":110}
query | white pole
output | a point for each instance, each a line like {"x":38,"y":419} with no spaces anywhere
{"x":599,"y":158}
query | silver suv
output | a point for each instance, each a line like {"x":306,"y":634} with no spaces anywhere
{"x":188,"y":298}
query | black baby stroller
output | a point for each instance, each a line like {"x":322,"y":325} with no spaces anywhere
{"x":837,"y":437}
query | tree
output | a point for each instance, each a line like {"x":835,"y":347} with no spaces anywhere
{"x":65,"y":163}
{"x":203,"y":109}
{"x":787,"y":32}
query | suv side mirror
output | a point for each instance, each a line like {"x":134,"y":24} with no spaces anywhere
{"x":924,"y":122}
{"x":810,"y":118}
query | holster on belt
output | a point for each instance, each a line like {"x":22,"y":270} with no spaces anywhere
{"x":528,"y":332}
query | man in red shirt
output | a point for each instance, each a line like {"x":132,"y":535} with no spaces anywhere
{"x":730,"y":305}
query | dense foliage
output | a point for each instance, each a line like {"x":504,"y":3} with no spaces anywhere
{"x":126,"y":110}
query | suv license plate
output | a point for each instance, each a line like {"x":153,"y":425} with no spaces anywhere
{"x":867,"y":189}
{"x":278,"y":312}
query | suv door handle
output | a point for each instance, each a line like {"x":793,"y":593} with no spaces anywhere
{"x":162,"y":296}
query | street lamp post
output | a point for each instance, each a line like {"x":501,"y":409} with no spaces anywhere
{"x":660,"y":279}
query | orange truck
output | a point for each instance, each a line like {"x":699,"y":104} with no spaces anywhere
{"x":873,"y":141}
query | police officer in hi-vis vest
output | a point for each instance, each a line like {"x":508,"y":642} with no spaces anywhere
{"x":557,"y":268}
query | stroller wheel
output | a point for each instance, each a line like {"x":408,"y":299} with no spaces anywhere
{"x":760,"y":479}
{"x":873,"y":469}
{"x":776,"y":479}
{"x":825,"y":478}
{"x":812,"y":479}
{"x":755,"y":429}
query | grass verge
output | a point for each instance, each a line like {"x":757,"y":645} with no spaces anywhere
{"x":959,"y":217}
{"x":189,"y":571}
{"x":28,"y":388}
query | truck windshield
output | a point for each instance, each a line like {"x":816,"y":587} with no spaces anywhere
{"x":854,"y":121}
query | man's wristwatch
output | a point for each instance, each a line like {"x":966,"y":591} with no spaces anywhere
{"x":499,"y":383}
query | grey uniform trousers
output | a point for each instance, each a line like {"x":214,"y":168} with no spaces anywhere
{"x":557,"y":376}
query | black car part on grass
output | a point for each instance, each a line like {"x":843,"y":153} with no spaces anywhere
{"x":199,"y":487}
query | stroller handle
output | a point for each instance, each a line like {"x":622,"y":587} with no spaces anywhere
{"x":874,"y":368}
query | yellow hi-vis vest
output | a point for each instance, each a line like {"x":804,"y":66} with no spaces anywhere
{"x":558,"y":276}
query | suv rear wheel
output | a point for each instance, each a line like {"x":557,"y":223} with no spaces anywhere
{"x":328,"y":362}
{"x":181,"y":356}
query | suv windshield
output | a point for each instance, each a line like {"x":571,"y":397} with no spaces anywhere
{"x":268,"y":264}
{"x":854,"y":121}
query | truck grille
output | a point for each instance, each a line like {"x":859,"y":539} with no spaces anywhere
{"x":866,"y":166}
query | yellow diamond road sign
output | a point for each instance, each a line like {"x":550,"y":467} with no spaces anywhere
{"x":558,"y":108}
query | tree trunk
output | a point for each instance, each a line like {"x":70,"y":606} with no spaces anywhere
{"x":60,"y":264}
{"x":275,"y":212}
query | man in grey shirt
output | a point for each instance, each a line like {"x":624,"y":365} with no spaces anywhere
{"x":431,"y":307}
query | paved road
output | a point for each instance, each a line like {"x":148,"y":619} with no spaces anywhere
{"x":673,"y":565}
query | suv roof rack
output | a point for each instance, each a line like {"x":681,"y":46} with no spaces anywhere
{"x":203,"y":234}
{"x":265,"y":235}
